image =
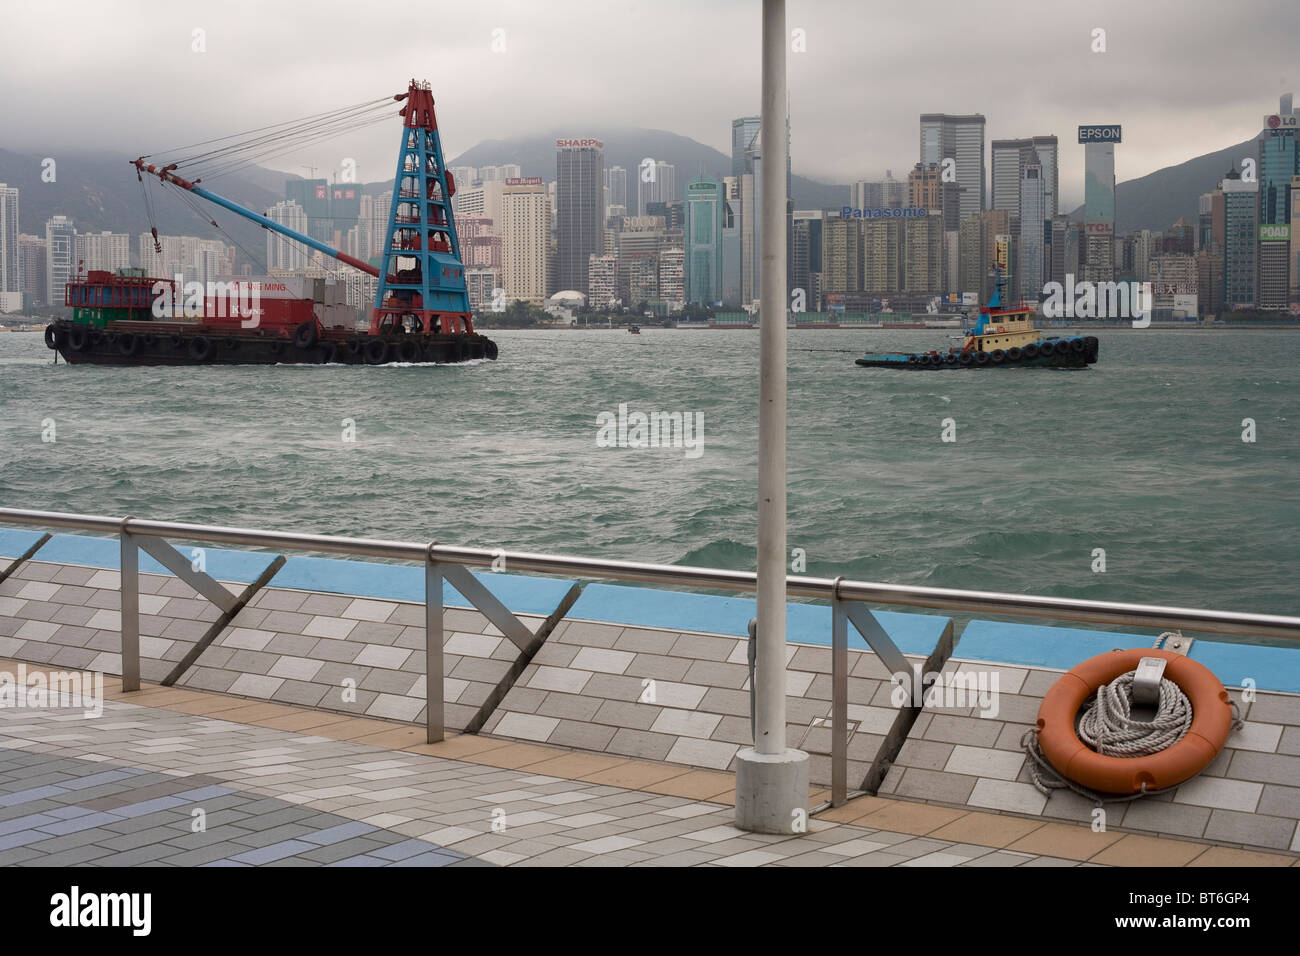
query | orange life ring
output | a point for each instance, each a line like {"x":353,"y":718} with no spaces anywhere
{"x":1074,"y":760}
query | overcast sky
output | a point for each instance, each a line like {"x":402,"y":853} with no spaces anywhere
{"x":1183,"y":77}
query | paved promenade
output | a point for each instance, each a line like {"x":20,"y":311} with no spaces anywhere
{"x":279,"y":786}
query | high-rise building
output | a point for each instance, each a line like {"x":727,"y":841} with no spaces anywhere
{"x":927,"y":190}
{"x":107,"y":251}
{"x":1279,"y":163}
{"x":1240,"y":239}
{"x":997,"y":229}
{"x":731,"y":217}
{"x":616,"y":183}
{"x":655,"y":183}
{"x":1031,"y":246}
{"x":806,"y":255}
{"x":526,"y":234}
{"x":483,"y":200}
{"x":579,"y":193}
{"x":882,"y":254}
{"x":283,"y":253}
{"x":887,"y":193}
{"x":961,"y":139}
{"x":32,"y":265}
{"x":1099,"y":200}
{"x":602,"y":280}
{"x":703,"y":234}
{"x":481,"y":286}
{"x":60,"y":257}
{"x":1205,"y":223}
{"x":923,"y":238}
{"x":10,"y":272}
{"x":672,"y":276}
{"x":971,"y":255}
{"x":842,"y":254}
{"x":313,"y":198}
{"x":744,"y":133}
{"x":1209,"y":282}
{"x":1010,"y":157}
{"x":1295,"y":238}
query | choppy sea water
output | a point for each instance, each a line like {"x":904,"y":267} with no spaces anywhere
{"x":1141,"y":455}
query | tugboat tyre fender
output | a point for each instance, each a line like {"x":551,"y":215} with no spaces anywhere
{"x":1046,"y":348}
{"x":79,"y":339}
{"x":201,"y":348}
{"x":965,"y":358}
{"x":997,"y":356}
{"x":981,"y":358}
{"x":376,"y":352}
{"x":408,"y":351}
{"x":327,"y":353}
{"x":1014,"y":353}
{"x":277,"y":346}
{"x":176,"y":340}
{"x":490,"y":350}
{"x":1030,"y":351}
{"x":306,"y":335}
{"x":128,"y":344}
{"x":1076,"y":345}
{"x":52,"y":336}
{"x":355,"y":345}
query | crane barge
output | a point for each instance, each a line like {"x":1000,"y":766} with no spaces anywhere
{"x":421,"y":311}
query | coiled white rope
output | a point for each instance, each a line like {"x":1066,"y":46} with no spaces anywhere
{"x":1108,"y":727}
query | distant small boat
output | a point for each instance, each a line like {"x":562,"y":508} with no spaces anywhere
{"x":634,"y":329}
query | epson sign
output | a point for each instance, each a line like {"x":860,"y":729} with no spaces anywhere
{"x":1099,"y":134}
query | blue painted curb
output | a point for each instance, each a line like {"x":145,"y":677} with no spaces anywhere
{"x":1037,"y":645}
{"x":14,"y":543}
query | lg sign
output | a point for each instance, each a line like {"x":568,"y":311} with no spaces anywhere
{"x":1099,"y":134}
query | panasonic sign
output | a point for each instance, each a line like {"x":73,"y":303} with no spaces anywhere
{"x":1099,"y":134}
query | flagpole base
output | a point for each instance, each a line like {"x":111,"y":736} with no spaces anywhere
{"x":772,"y":792}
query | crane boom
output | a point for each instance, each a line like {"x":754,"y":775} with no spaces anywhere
{"x":166,"y":175}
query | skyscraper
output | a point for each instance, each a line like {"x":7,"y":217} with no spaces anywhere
{"x":526,"y":236}
{"x":60,"y":257}
{"x":1279,"y":163}
{"x":1010,"y":157}
{"x":961,"y":139}
{"x":107,"y":251}
{"x":10,"y":274}
{"x":32,"y":264}
{"x":655,"y":182}
{"x":1032,"y":207}
{"x":616,"y":183}
{"x":1099,"y":200}
{"x":703,"y":233}
{"x":579,"y":194}
{"x":744,"y":131}
{"x":282,"y":253}
{"x":1240,"y":225}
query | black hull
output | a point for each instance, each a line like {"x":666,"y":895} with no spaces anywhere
{"x":1058,"y":359}
{"x":213,"y":347}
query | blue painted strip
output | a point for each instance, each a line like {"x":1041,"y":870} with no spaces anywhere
{"x":1036,"y":645}
{"x":405,"y":582}
{"x":14,"y":542}
{"x":805,"y":623}
{"x":240,"y":566}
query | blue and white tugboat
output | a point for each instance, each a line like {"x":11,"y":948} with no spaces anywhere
{"x":1001,"y":338}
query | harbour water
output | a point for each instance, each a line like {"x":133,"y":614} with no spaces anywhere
{"x":1141,"y":456}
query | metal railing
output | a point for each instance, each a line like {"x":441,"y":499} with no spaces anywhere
{"x":450,"y":562}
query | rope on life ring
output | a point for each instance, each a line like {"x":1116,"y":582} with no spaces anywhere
{"x":1101,"y":758}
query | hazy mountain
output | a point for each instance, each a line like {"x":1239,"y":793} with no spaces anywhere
{"x":626,"y":147}
{"x":100,"y":191}
{"x":1158,"y":200}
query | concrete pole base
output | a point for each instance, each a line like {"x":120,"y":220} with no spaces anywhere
{"x":772,"y":791}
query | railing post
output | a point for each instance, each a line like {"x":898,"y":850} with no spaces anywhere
{"x":839,"y":701}
{"x":433,"y":680}
{"x":129,"y":591}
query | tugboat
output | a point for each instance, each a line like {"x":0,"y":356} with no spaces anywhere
{"x":634,"y":329}
{"x":421,"y":309}
{"x":1001,"y":337}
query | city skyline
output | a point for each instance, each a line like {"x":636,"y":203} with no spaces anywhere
{"x":1057,"y":83}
